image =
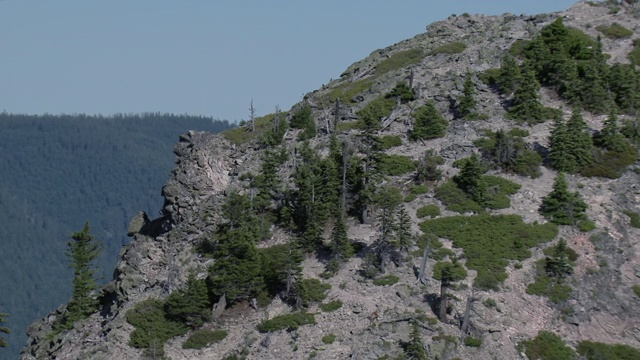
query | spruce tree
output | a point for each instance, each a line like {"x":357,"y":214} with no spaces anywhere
{"x":610,"y":137}
{"x":560,"y":148}
{"x":82,"y":251}
{"x":558,"y":265}
{"x":428,"y":167}
{"x":415,"y":347}
{"x":191,"y":305}
{"x":447,"y":273}
{"x":428,"y":123}
{"x":404,"y":236}
{"x":509,"y":76}
{"x":561,"y":206}
{"x":3,"y":329}
{"x":467,"y":103}
{"x":579,"y":140}
{"x":526,"y":104}
{"x":341,"y":246}
{"x":470,"y":180}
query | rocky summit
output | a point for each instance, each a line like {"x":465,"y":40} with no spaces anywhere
{"x":470,"y":193}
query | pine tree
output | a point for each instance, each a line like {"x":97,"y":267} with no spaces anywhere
{"x":610,"y":137}
{"x":509,"y":76}
{"x":428,"y":123}
{"x":191,"y":305}
{"x":82,"y":251}
{"x":580,"y":145}
{"x":388,"y":199}
{"x":470,"y":180}
{"x":404,"y":236}
{"x":560,"y":149}
{"x":341,"y":246}
{"x":303,"y":119}
{"x":526,"y":104}
{"x":561,"y":206}
{"x":428,"y":167}
{"x":467,"y":103}
{"x":3,"y":329}
{"x":447,"y":273}
{"x":558,"y":264}
{"x":415,"y":347}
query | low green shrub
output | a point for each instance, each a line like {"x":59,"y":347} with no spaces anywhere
{"x":455,"y":199}
{"x":544,"y":285}
{"x":152,"y":327}
{"x":389,"y":279}
{"x":449,"y":48}
{"x":636,"y":290}
{"x":591,"y":350}
{"x":614,"y":31}
{"x":611,"y":164}
{"x":312,"y":290}
{"x":331,"y":306}
{"x":389,"y":141}
{"x":473,"y":342}
{"x":396,"y":165}
{"x":428,"y":210}
{"x":347,"y":91}
{"x":348,"y":125}
{"x":634,"y":55}
{"x":489,"y":242}
{"x":203,"y":338}
{"x":329,"y":339}
{"x":409,"y":198}
{"x":634,"y":217}
{"x":419,"y":189}
{"x":287,"y":322}
{"x":400,"y":60}
{"x":546,"y":346}
{"x":586,"y":225}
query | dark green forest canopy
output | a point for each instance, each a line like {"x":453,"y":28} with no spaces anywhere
{"x":59,"y":171}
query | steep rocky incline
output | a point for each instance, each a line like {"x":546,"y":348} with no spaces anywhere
{"x":372,"y":323}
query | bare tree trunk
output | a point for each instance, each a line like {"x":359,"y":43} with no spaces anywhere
{"x":423,"y":264}
{"x":467,"y":312}
{"x":443,"y":301}
{"x":336,"y":114}
{"x":252,"y":116}
{"x":345,"y":160}
{"x":411,"y":79}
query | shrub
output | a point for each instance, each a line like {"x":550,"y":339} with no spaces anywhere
{"x":399,"y":60}
{"x":312,"y":290}
{"x":331,"y":306}
{"x":614,"y":31}
{"x":545,"y":285}
{"x":489,"y":242}
{"x":473,"y":342}
{"x":303,"y":119}
{"x":289,"y":322}
{"x":490,"y":303}
{"x":386,"y":280}
{"x":152,"y":327}
{"x":449,"y":48}
{"x":428,"y":123}
{"x":611,"y":164}
{"x":586,"y":225}
{"x":634,"y":217}
{"x":401,"y":92}
{"x":597,"y":350}
{"x":348,"y":125}
{"x":389,"y":141}
{"x":347,"y":91}
{"x":636,"y":290}
{"x":455,"y":199}
{"x":203,"y":338}
{"x":419,"y":189}
{"x":409,"y":198}
{"x":395,"y":165}
{"x":546,"y":346}
{"x":634,"y":55}
{"x":428,"y":210}
{"x":498,"y":190}
{"x":329,"y":339}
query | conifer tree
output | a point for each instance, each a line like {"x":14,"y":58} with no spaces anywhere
{"x":447,"y":273}
{"x":526,"y":104}
{"x":415,"y":347}
{"x":82,"y":251}
{"x":428,"y":167}
{"x":610,"y":137}
{"x":579,"y":140}
{"x":341,"y":247}
{"x":561,"y":206}
{"x":467,"y":103}
{"x":509,"y":76}
{"x":191,"y":305}
{"x":3,"y":329}
{"x":388,"y":199}
{"x":558,"y":264}
{"x":428,"y":123}
{"x":303,"y":119}
{"x":403,"y":229}
{"x":560,"y":147}
{"x":470,"y":180}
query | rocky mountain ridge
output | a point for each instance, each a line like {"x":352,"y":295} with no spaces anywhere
{"x":374,"y":320}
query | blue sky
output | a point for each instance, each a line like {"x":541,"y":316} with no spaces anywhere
{"x":200,"y":57}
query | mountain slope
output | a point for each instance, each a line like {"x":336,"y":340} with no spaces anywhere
{"x":276,"y":180}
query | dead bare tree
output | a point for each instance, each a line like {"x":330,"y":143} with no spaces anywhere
{"x":467,"y":313}
{"x":423,"y":263}
{"x":252,"y":116}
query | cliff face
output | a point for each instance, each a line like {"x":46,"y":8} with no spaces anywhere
{"x":372,"y":322}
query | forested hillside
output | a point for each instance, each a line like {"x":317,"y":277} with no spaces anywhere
{"x":58,"y":171}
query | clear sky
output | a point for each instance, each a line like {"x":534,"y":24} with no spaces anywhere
{"x":208,"y":57}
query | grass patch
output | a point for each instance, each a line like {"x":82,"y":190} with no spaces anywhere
{"x":242,"y":134}
{"x":634,"y":217}
{"x":473,"y":342}
{"x":390,"y":141}
{"x":449,"y":48}
{"x":596,"y":350}
{"x":614,"y":31}
{"x":329,"y":339}
{"x":399,"y":60}
{"x":396,"y":165}
{"x":428,"y":210}
{"x":419,"y":189}
{"x":586,"y":225}
{"x":386,"y":280}
{"x":203,"y":338}
{"x":331,"y":306}
{"x":347,"y":91}
{"x":287,"y":322}
{"x":489,"y":242}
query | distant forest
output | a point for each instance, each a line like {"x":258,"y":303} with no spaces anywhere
{"x":58,"y":171}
